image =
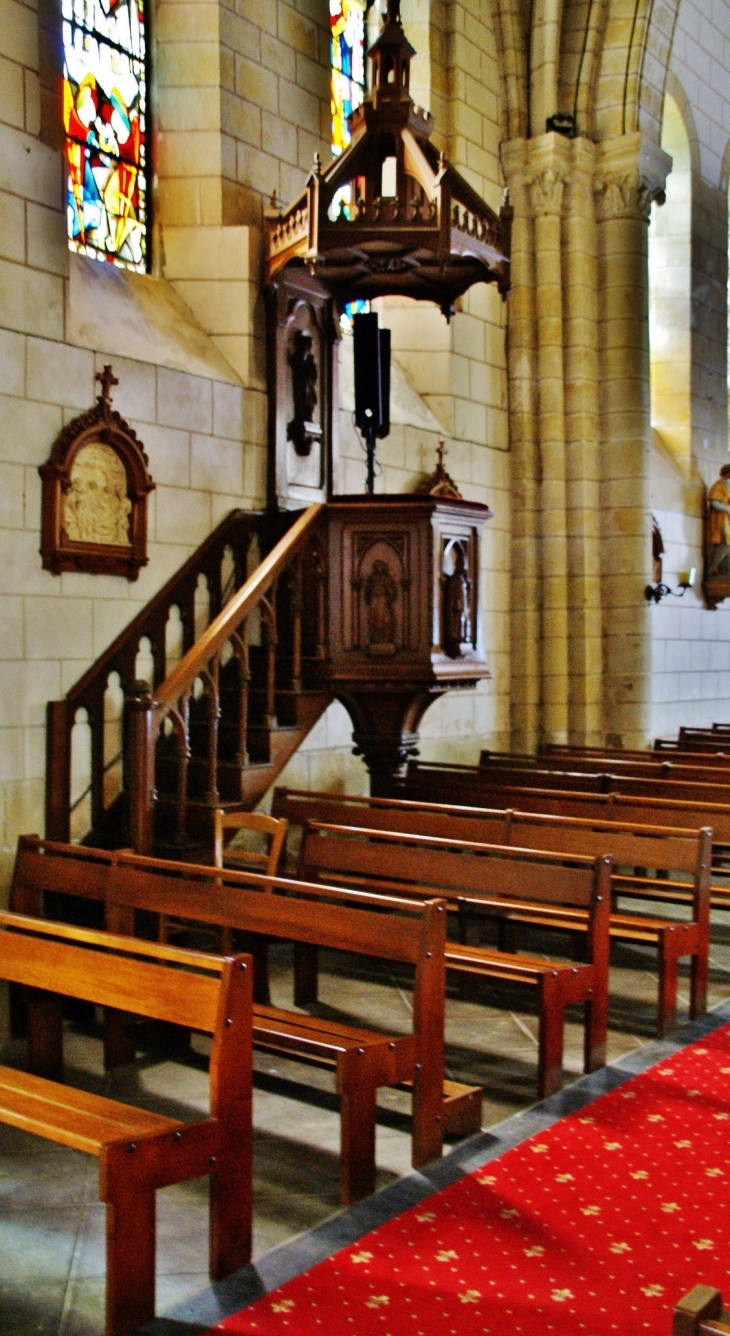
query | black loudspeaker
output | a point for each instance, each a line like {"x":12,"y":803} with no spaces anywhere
{"x":384,"y":406}
{"x":372,"y":376}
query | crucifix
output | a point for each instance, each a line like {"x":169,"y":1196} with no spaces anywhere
{"x":106,"y":379}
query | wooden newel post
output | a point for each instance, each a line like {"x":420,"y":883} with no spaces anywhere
{"x":702,"y":1305}
{"x":139,"y":771}
{"x":58,"y":770}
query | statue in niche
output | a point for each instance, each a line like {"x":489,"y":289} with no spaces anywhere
{"x":381,"y":593}
{"x":718,"y":526}
{"x":303,"y":363}
{"x":97,"y":506}
{"x":457,"y":610}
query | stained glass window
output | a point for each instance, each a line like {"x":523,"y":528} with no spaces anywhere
{"x":347,"y":28}
{"x":105,"y":114}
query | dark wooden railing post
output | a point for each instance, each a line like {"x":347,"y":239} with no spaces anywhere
{"x":59,"y":722}
{"x":214,"y":714}
{"x":295,"y":605}
{"x":272,"y":641}
{"x":139,"y":769}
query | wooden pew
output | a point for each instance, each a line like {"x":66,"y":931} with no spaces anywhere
{"x":701,"y":1313}
{"x":660,"y":806}
{"x":562,"y":895}
{"x":138,"y":1151}
{"x":589,"y":810}
{"x":689,"y":757}
{"x":681,"y":768}
{"x":432,"y":775}
{"x":313,"y":916}
{"x":461,"y":867}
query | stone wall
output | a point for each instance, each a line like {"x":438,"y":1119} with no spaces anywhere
{"x":239,"y":106}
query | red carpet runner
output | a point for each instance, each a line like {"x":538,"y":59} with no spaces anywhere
{"x":598,"y":1225}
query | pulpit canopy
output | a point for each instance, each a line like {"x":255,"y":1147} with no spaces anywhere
{"x":391,"y":215}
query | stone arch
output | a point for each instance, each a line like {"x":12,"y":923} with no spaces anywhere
{"x":633,"y":67}
{"x":584,"y":25}
{"x":507,"y":20}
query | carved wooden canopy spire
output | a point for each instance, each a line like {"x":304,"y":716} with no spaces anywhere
{"x":409,"y":223}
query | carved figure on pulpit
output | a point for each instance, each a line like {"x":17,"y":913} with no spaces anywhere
{"x":718,"y":525}
{"x":97,"y":506}
{"x":457,"y":609}
{"x":381,"y":593}
{"x":303,"y":365}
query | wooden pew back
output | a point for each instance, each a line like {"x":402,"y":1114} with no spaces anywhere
{"x":102,"y":968}
{"x":450,"y":864}
{"x":681,"y":768}
{"x":433,"y":774}
{"x":589,"y":811}
{"x":629,"y":801}
{"x":330,"y":917}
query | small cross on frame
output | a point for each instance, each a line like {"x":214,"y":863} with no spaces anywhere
{"x":440,"y":452}
{"x":106,"y":379}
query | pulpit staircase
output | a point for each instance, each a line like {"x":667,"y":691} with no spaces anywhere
{"x":157,"y":734}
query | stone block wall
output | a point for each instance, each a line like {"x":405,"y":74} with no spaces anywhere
{"x":240,"y":102}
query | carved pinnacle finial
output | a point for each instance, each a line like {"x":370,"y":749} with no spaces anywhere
{"x":393,"y":15}
{"x":317,"y":163}
{"x":440,"y":452}
{"x":106,"y":379}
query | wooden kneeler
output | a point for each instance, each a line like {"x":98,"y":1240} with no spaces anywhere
{"x":138,"y":1151}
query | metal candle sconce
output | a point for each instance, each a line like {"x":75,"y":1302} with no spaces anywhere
{"x":685,"y":580}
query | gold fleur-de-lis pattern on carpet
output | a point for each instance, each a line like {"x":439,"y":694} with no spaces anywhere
{"x":596,"y":1227}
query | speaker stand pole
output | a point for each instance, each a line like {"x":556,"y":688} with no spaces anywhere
{"x":370,"y":444}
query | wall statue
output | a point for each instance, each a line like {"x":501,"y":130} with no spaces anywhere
{"x":303,"y":366}
{"x":718,"y":525}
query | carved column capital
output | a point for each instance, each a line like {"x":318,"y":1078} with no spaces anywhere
{"x":549,"y":166}
{"x":631,"y":174}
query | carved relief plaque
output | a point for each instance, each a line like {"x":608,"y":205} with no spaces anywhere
{"x":95,"y":488}
{"x":381,"y":594}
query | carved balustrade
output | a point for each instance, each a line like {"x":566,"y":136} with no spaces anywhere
{"x":203,"y":602}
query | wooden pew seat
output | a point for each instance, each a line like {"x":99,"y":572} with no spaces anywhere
{"x":138,"y":1151}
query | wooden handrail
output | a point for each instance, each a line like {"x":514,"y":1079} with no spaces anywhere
{"x":236,"y":610}
{"x":138,"y":626}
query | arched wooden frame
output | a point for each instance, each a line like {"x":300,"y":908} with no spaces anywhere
{"x":102,"y":425}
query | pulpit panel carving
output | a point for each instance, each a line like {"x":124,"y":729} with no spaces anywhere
{"x":381,"y":589}
{"x":300,"y":377}
{"x":459,"y":613}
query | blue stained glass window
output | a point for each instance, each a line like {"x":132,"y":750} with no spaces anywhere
{"x":105,"y":95}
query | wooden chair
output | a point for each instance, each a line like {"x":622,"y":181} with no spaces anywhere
{"x":227,"y":824}
{"x":361,"y":1060}
{"x":138,"y":1151}
{"x":700,"y":1313}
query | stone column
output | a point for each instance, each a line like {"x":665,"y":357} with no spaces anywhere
{"x":522,"y":376}
{"x":582,"y":449}
{"x":631,"y":174}
{"x":550,"y":169}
